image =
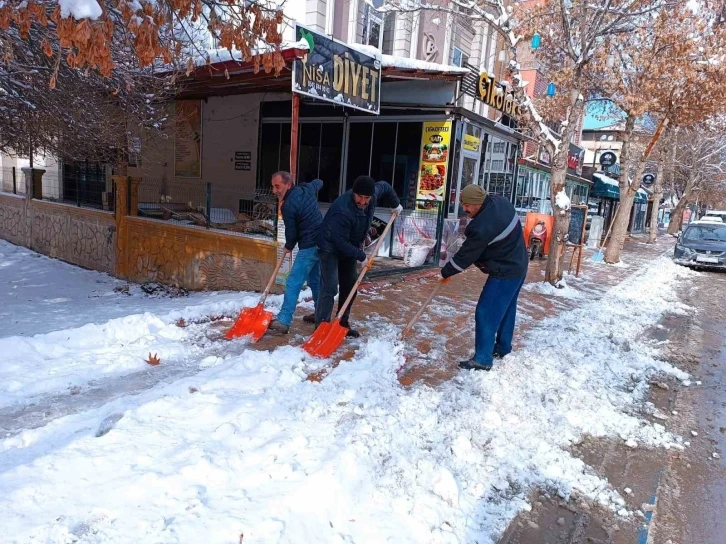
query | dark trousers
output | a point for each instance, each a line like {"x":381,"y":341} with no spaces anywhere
{"x":335,"y":271}
{"x":496,"y":312}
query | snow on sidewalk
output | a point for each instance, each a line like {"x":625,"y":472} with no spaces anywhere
{"x":250,"y":447}
{"x":64,"y":327}
{"x":39,"y":295}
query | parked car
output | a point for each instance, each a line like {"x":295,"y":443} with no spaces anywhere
{"x":715,"y":215}
{"x":702,"y":245}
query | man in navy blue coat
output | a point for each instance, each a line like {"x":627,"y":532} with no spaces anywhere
{"x":340,"y":243}
{"x":494,"y":244}
{"x":302,"y":217}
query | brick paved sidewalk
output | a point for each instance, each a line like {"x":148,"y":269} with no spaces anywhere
{"x":445,"y":332}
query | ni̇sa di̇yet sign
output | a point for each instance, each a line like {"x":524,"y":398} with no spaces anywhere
{"x":333,"y":72}
{"x":496,"y":95}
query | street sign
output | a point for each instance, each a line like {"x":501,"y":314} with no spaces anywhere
{"x":648,"y":179}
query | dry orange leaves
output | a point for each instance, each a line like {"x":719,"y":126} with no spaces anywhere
{"x":146,"y":31}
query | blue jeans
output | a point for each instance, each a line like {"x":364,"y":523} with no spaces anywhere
{"x":495,"y":315}
{"x":305,"y":267}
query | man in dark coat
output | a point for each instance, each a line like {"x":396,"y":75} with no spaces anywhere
{"x":302,"y":217}
{"x":494,"y":244}
{"x":340,"y":243}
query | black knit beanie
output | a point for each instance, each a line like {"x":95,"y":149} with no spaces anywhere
{"x":364,"y":186}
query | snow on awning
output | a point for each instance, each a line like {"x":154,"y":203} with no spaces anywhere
{"x":607,"y":187}
{"x":407,"y":64}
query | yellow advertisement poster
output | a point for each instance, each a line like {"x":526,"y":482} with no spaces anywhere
{"x":435,"y":148}
{"x":471,"y":143}
{"x":188,"y":139}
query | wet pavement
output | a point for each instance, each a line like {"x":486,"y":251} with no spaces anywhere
{"x":682,"y":494}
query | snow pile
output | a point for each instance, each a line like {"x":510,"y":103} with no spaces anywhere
{"x":249,"y":447}
{"x":80,"y":9}
{"x":562,"y":290}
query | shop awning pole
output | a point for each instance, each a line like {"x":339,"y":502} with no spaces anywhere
{"x":293,"y":134}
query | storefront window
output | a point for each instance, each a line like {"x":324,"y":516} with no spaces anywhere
{"x":359,"y":152}
{"x":319,"y":155}
{"x":388,"y":152}
{"x":408,"y":155}
{"x":497,"y":176}
{"x":274,"y":152}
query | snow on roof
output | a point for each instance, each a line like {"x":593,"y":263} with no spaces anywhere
{"x":403,"y":63}
{"x":225,"y":55}
{"x":606,"y":179}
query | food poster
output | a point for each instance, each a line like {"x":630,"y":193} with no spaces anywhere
{"x":435,"y":142}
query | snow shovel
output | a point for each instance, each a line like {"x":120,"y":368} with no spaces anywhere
{"x":254,"y":321}
{"x":328,"y":336}
{"x":598,"y":257}
{"x":435,"y":291}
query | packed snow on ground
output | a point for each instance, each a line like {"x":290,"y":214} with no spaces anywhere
{"x":63,"y":326}
{"x":249,"y":447}
{"x":546,"y":288}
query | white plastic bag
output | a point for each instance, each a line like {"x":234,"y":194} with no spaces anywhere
{"x":416,"y":253}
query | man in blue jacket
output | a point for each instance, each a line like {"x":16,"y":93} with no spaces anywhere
{"x":340,"y":243}
{"x":494,"y":244}
{"x":302,"y":218}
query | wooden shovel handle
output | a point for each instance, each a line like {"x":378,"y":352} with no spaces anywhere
{"x":434,"y":292}
{"x":367,"y":267}
{"x":610,"y":227}
{"x":274,"y":275}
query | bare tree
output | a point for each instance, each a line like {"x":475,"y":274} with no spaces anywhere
{"x":574,"y":36}
{"x":665,"y":70}
{"x":699,"y":167}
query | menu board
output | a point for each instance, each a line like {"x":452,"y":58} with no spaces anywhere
{"x":435,"y":142}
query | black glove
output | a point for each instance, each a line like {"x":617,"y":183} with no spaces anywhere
{"x":361,"y":256}
{"x":448,"y":270}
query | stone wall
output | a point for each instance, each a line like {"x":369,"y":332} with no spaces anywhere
{"x":80,"y":236}
{"x":137,"y":249}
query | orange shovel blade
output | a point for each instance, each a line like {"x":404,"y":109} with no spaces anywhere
{"x":326,"y":339}
{"x":251,"y":321}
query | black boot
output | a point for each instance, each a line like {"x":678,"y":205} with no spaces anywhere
{"x":310,"y":318}
{"x":352,"y":333}
{"x":471,"y":364}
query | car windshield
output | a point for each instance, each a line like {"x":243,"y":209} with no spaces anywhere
{"x":705,"y":233}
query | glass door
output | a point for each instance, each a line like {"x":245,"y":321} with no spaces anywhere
{"x":468,"y":174}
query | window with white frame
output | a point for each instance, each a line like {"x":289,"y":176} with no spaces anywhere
{"x":372,"y":26}
{"x":458,"y":57}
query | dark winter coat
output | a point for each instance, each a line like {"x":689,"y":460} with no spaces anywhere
{"x":301,"y":214}
{"x":506,"y":258}
{"x":345,"y":225}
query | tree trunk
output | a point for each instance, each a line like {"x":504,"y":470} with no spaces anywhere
{"x":627,"y":197}
{"x":657,"y":196}
{"x":561,"y":226}
{"x":677,"y":216}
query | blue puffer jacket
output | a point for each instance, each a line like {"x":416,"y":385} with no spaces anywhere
{"x":345,"y":225}
{"x":301,"y":214}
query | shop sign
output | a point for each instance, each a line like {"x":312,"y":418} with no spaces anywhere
{"x":333,"y":72}
{"x":608,"y":159}
{"x":435,"y":141}
{"x":496,"y":95}
{"x":544,"y":157}
{"x":471,"y":143}
{"x":188,"y":139}
{"x":648,"y":179}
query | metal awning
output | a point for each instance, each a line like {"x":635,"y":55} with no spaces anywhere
{"x":607,"y":187}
